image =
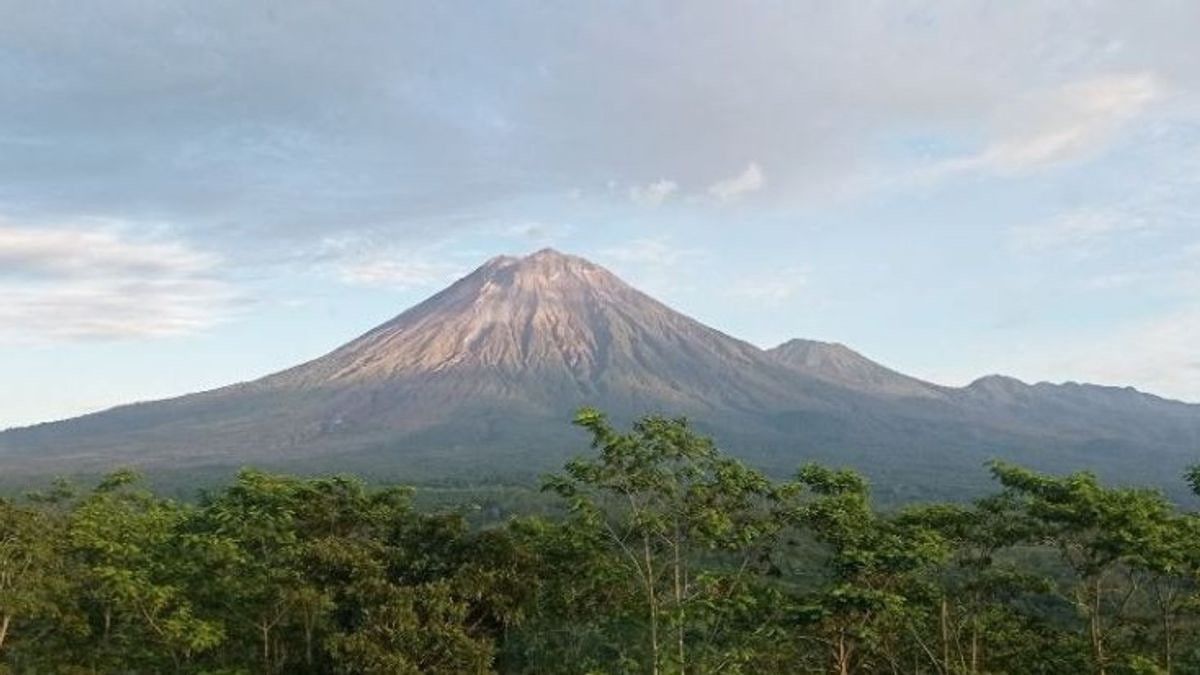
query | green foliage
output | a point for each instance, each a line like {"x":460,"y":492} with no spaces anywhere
{"x":33,"y":580}
{"x":690,"y":527}
{"x":133,"y":573}
{"x":665,"y":557}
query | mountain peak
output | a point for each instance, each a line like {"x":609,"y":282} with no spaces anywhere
{"x":548,"y":275}
{"x":835,"y":362}
{"x":814,"y":349}
{"x":500,"y":261}
{"x":998,"y":383}
{"x":547,"y":253}
{"x":555,"y":322}
{"x":553,"y":258}
{"x":547,"y":261}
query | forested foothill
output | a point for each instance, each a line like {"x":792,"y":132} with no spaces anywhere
{"x":669,"y":557}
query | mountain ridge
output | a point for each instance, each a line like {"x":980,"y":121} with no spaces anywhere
{"x":483,"y":375}
{"x":838,"y":363}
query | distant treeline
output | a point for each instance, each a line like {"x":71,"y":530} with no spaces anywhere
{"x":672,"y":558}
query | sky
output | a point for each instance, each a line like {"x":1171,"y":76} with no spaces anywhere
{"x":193,"y":194}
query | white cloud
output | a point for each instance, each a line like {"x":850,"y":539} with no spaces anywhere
{"x":1066,"y":124}
{"x":399,"y":274}
{"x":1113,"y":281}
{"x":1080,"y":231}
{"x":371,"y":140}
{"x":730,"y":189}
{"x":769,"y":289}
{"x":535,"y":232}
{"x":656,"y":251}
{"x":95,"y":282}
{"x":1175,"y":275}
{"x":653,"y":194}
{"x":75,"y":252}
{"x":360,"y":261}
{"x":1184,"y":277}
{"x":657,"y":265}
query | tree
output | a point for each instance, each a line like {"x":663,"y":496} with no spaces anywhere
{"x":33,"y":582}
{"x":412,"y":629}
{"x":978,"y":585}
{"x":665,"y":498}
{"x":133,"y":579}
{"x":1108,"y":538}
{"x":875,"y":567}
{"x":669,"y":558}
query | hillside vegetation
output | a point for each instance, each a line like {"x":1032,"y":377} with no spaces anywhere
{"x":672,"y":558}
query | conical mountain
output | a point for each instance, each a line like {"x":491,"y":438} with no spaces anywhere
{"x":478,"y":382}
{"x":494,"y":364}
{"x":546,"y":329}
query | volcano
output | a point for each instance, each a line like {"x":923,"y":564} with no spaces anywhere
{"x":479,"y":381}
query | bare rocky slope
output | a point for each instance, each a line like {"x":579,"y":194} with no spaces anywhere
{"x":838,"y":364}
{"x":477,"y":383}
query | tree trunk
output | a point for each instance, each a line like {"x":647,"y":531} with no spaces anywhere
{"x":1168,"y":645}
{"x":653,"y":603}
{"x":841,"y":655}
{"x":679,"y":611}
{"x":974,"y":646}
{"x":945,"y":625}
{"x":1096,"y":630}
{"x":265,"y":631}
{"x":308,"y":646}
{"x":310,"y":627}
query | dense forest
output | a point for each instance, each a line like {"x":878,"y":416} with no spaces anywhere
{"x":668,"y":557}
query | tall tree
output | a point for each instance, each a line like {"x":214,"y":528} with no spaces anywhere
{"x":134,"y":577}
{"x":665,"y":498}
{"x":33,"y":579}
{"x":1108,"y":537}
{"x":874,"y":565}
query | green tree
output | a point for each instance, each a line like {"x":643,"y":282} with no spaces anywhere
{"x":33,"y":579}
{"x":876,"y":569}
{"x":1108,"y":537}
{"x":413,"y":629}
{"x":133,"y":580}
{"x":666,"y":499}
{"x":979,"y":627}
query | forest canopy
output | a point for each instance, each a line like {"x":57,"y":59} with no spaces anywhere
{"x":669,"y":557}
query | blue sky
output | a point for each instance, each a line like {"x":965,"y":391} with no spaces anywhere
{"x":193,"y":194}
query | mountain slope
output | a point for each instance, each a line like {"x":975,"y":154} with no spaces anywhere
{"x":495,"y":363}
{"x":550,"y":326}
{"x":1084,"y":410}
{"x":839,"y":364}
{"x":479,"y":380}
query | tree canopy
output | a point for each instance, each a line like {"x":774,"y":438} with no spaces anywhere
{"x":668,"y":557}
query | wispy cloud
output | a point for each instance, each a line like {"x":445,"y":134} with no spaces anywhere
{"x":735,"y":187}
{"x":400,"y":273}
{"x":658,"y":265}
{"x":1066,"y":124}
{"x":362,"y":261}
{"x":653,"y":194}
{"x":1176,"y":277}
{"x":95,"y":282}
{"x":536,"y":232}
{"x":1079,"y":231}
{"x":769,"y":289}
{"x":656,"y":251}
